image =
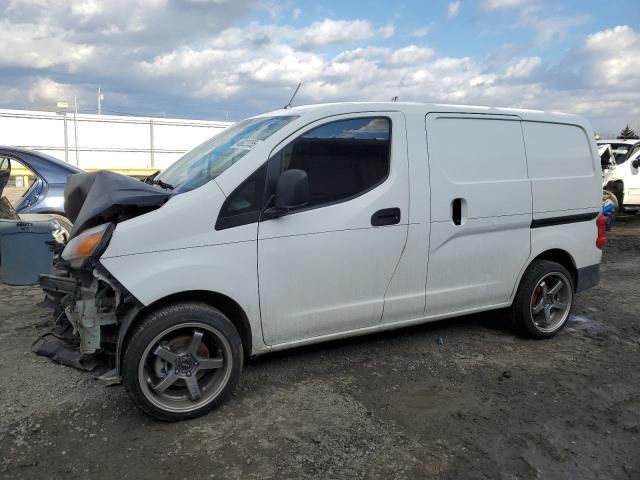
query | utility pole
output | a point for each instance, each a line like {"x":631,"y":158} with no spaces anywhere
{"x":66,"y":139}
{"x":151,"y":146}
{"x":62,"y":107}
{"x":100,"y":99}
{"x":75,"y":127}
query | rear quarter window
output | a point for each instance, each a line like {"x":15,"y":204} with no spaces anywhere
{"x":557,"y":151}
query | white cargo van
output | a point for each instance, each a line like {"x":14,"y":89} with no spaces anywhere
{"x":321,"y":222}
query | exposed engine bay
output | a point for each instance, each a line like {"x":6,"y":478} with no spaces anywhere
{"x":92,"y":309}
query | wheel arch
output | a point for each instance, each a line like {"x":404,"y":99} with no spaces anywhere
{"x":617,"y":188}
{"x":228,"y":306}
{"x":558,"y":255}
{"x":562,"y":257}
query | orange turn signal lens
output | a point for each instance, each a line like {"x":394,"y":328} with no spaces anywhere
{"x":87,"y":245}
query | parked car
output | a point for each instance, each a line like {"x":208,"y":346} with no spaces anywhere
{"x":46,"y":193}
{"x":315,"y":223}
{"x":622,"y":149}
{"x":624,"y":182}
{"x":607,"y":162}
{"x":24,"y":248}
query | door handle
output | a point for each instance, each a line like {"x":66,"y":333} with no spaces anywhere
{"x":458,"y":211}
{"x":386,"y":216}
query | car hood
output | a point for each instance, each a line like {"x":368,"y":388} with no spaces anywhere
{"x":91,"y":199}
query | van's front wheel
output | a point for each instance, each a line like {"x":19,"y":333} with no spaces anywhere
{"x":544,"y":300}
{"x":182,"y":361}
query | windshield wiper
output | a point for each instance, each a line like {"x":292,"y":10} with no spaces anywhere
{"x":161,"y":184}
{"x":151,"y":180}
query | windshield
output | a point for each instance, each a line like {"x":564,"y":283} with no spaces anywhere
{"x":210,"y":159}
{"x":620,"y":150}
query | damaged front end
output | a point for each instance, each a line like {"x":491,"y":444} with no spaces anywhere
{"x":83,"y":292}
{"x":85,"y":297}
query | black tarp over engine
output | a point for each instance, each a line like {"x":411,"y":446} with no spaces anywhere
{"x":91,"y":199}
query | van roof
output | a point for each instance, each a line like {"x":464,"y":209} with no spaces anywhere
{"x":414,"y":107}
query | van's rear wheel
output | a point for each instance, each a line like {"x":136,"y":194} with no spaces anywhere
{"x":182,"y":361}
{"x":544,"y":300}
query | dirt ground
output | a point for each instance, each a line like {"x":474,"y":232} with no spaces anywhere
{"x":484,"y":404}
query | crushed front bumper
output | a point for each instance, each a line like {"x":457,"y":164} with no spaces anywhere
{"x":88,"y":307}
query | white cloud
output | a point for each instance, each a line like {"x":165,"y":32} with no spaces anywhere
{"x":330,"y":31}
{"x":422,"y":31}
{"x":549,"y":28}
{"x":387,"y":31}
{"x":523,"y":68}
{"x":410,"y":55}
{"x":413,"y":72}
{"x":500,"y":4}
{"x":44,"y":92}
{"x":40,"y":47}
{"x":150,"y":54}
{"x":86,"y":9}
{"x":453,"y":9}
{"x":615,"y":58}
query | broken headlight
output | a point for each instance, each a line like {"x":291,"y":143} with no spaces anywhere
{"x":87,"y":245}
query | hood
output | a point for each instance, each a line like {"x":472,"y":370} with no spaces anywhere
{"x":91,"y":199}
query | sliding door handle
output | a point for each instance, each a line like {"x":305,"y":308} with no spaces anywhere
{"x":458,"y":211}
{"x":386,"y":216}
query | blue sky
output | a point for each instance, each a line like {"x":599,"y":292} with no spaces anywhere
{"x":218,"y":59}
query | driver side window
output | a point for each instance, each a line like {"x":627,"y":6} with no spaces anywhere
{"x":343,"y":159}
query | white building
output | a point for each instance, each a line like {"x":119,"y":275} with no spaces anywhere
{"x":105,"y":141}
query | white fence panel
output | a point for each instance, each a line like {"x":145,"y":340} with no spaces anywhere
{"x":105,"y":141}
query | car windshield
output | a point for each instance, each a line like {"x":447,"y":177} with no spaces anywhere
{"x":620,"y":150}
{"x":210,"y":159}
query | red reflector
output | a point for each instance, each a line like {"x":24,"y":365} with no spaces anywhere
{"x":601,"y":222}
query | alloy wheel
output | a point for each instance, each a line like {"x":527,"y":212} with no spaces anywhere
{"x":185,"y":367}
{"x":551,"y":302}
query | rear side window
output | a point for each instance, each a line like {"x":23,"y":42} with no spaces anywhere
{"x":343,"y":159}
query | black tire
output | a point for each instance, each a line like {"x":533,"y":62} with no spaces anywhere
{"x":618,"y":191}
{"x":521,"y":313}
{"x":172,"y":348}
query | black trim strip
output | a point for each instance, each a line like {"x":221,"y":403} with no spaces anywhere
{"x":552,"y":221}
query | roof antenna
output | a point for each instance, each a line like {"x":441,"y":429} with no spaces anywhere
{"x":288,"y":105}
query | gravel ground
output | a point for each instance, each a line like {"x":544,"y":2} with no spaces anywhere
{"x":484,"y":404}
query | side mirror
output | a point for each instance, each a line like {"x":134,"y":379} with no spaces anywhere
{"x":292,"y":190}
{"x":636,"y":163}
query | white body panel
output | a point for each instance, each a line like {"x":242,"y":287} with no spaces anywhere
{"x":405,"y":297}
{"x":176,"y":249}
{"x":326,"y":270}
{"x":562,"y":159}
{"x":630,"y":178}
{"x":326,"y":273}
{"x":475,"y":263}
